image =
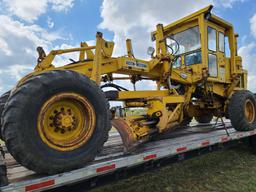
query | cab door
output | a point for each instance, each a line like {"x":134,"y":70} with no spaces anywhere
{"x":216,"y":53}
{"x":221,"y":56}
{"x":212,"y":52}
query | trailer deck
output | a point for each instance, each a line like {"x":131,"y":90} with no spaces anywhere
{"x":112,"y":158}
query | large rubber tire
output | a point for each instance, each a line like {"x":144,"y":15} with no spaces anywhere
{"x":236,"y":110}
{"x":207,"y":118}
{"x":20,"y":118}
{"x":3,"y":100}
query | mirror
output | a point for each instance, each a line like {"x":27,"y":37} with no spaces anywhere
{"x":151,"y":51}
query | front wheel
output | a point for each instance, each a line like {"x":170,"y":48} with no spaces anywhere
{"x":3,"y":100}
{"x":56,"y":121}
{"x":242,"y":110}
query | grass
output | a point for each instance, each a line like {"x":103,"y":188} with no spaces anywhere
{"x":232,"y":170}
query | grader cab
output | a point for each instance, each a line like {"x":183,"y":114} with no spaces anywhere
{"x":57,"y":118}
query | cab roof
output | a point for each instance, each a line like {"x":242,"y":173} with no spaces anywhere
{"x":205,"y":11}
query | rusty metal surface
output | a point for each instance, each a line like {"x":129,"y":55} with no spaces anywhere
{"x":125,"y":132}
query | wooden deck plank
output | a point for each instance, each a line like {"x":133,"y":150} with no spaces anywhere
{"x":113,"y":148}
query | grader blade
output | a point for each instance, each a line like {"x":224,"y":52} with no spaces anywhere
{"x":125,"y":131}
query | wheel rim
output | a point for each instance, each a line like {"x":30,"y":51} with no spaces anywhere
{"x":66,"y":121}
{"x":249,"y":111}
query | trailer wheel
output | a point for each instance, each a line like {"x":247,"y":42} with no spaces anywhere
{"x":206,"y":118}
{"x":242,"y":110}
{"x":56,"y":121}
{"x":3,"y":100}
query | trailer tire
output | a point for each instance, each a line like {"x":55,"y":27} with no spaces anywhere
{"x":242,"y":110}
{"x":26,"y":112}
{"x":206,"y":118}
{"x":3,"y":100}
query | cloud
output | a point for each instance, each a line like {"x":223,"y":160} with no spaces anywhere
{"x":17,"y":71}
{"x":253,"y":25}
{"x":4,"y":47}
{"x":248,"y":53}
{"x":61,"y":5}
{"x":27,"y":10}
{"x":135,"y":19}
{"x":226,"y":3}
{"x":18,"y":44}
{"x":30,"y":10}
{"x":64,"y":59}
{"x":50,"y":22}
{"x":61,"y":60}
{"x":20,"y":37}
{"x":127,"y":19}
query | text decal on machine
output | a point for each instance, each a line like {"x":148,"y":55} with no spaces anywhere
{"x":136,"y":65}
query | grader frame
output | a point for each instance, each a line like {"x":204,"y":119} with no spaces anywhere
{"x":165,"y":104}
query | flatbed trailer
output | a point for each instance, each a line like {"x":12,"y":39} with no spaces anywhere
{"x":181,"y":144}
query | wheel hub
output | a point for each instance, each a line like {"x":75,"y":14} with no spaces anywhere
{"x":249,"y":111}
{"x":66,"y":121}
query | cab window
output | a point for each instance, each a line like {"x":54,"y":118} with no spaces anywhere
{"x":227,"y":48}
{"x":212,"y":39}
{"x":193,"y":58}
{"x":221,"y":42}
{"x":177,"y":63}
{"x":212,"y":62}
{"x":188,"y":40}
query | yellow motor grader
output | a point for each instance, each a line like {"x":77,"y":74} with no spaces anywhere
{"x":57,"y":118}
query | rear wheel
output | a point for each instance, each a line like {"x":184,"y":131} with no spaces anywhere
{"x":242,"y":110}
{"x":56,"y":121}
{"x":3,"y":100}
{"x":206,"y":118}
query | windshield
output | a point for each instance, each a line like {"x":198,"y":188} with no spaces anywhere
{"x":188,"y":40}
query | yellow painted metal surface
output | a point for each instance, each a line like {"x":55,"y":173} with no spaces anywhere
{"x":249,"y":111}
{"x":141,"y":94}
{"x":66,"y":121}
{"x":204,"y":73}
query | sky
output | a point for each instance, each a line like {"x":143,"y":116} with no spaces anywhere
{"x":55,"y":24}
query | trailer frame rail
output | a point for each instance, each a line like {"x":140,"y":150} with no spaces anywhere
{"x":167,"y":149}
